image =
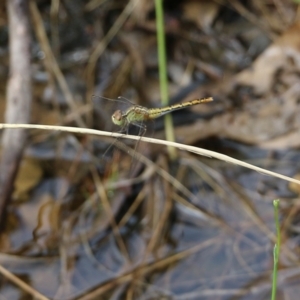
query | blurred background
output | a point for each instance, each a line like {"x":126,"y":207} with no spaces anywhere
{"x":85,"y":217}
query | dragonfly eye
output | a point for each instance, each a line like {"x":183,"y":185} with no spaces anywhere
{"x":117,"y":118}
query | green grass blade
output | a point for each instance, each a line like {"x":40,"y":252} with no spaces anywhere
{"x":163,"y":78}
{"x":276,"y":249}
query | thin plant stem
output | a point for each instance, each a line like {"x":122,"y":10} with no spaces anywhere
{"x":163,"y":79}
{"x":192,"y":149}
{"x":276,"y":249}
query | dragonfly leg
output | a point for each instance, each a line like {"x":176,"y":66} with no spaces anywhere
{"x":142,"y":128}
{"x":124,"y":130}
{"x":142,"y":131}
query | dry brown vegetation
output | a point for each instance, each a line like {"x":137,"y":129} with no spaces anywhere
{"x":133,"y":224}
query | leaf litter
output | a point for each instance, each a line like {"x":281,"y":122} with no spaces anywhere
{"x":198,"y":228}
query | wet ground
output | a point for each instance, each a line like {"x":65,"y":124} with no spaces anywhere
{"x":87,"y":223}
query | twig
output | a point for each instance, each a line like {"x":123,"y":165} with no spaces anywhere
{"x":50,"y":60}
{"x":199,"y":151}
{"x":145,"y":269}
{"x":90,"y":70}
{"x":103,"y":196}
{"x":21,"y":284}
{"x":18,"y":98}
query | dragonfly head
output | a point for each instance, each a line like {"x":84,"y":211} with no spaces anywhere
{"x":118,"y":118}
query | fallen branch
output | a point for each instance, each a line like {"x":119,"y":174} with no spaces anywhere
{"x":18,"y":98}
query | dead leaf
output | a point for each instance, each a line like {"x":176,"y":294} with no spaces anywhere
{"x":202,"y":12}
{"x":28,"y":177}
{"x":261,"y":74}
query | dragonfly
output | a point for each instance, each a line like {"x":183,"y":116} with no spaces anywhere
{"x":137,"y":115}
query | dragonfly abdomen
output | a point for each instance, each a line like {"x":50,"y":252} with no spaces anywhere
{"x":158,"y":112}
